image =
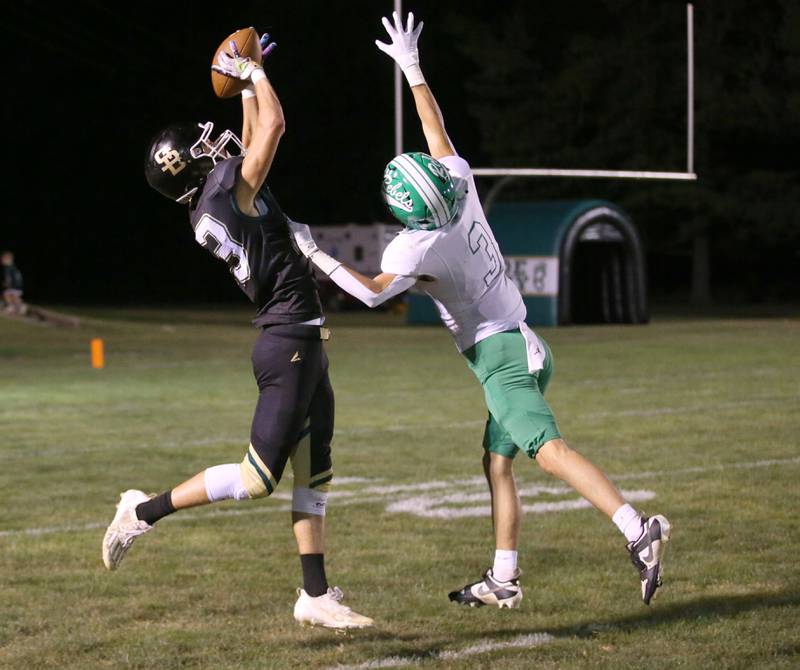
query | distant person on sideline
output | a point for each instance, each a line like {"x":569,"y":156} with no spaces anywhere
{"x":12,"y":285}
{"x":447,"y":248}
{"x":237,"y":219}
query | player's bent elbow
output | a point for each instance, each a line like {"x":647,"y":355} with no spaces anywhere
{"x":278,"y":125}
{"x":373,"y":300}
{"x":275,"y":126}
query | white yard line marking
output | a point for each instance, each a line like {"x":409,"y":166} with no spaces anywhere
{"x":482,"y":647}
{"x":435,"y":507}
{"x":372,"y":494}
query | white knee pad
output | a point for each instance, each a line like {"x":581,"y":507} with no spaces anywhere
{"x":309,"y":501}
{"x":224,"y":482}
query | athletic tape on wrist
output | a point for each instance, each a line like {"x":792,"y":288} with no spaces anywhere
{"x":324,"y":262}
{"x":414,"y":75}
{"x":258,"y":75}
{"x":248,"y":93}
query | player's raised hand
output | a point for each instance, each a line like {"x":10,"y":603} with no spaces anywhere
{"x":235,"y":65}
{"x":403,"y":47}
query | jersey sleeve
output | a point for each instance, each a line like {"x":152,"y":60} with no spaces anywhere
{"x":401,"y":257}
{"x":457,"y":166}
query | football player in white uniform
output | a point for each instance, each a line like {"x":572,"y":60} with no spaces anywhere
{"x":447,"y":248}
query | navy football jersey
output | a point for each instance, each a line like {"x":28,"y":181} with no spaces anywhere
{"x":258,"y":250}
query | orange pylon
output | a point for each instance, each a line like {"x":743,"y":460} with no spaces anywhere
{"x":98,"y":355}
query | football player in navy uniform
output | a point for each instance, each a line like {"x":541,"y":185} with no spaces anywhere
{"x":237,"y":219}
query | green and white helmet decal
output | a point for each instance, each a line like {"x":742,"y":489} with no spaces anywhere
{"x":419,"y":191}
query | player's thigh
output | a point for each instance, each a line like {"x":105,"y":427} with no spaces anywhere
{"x":288,"y":371}
{"x":497,"y":440}
{"x":546,"y":373}
{"x":517,"y":404}
{"x":311,"y":458}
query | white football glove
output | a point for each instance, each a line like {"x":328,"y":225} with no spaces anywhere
{"x":308,"y":247}
{"x":302,"y":238}
{"x":403,"y":48}
{"x":236,"y":66}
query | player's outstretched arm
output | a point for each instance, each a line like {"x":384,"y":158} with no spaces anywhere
{"x":266,"y":131}
{"x":249,"y":104}
{"x":372,"y":292}
{"x":403,"y":49}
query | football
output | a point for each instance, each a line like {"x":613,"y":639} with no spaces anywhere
{"x":247,"y":42}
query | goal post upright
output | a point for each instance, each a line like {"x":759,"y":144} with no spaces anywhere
{"x":398,"y":95}
{"x":690,"y":88}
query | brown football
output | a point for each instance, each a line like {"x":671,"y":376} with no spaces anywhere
{"x":247,"y":42}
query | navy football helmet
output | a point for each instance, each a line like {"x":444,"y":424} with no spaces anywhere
{"x":180,"y":157}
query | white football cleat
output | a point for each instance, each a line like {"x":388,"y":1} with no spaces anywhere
{"x":124,"y":528}
{"x":327,"y":610}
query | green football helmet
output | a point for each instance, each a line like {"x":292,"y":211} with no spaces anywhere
{"x":419,"y":191}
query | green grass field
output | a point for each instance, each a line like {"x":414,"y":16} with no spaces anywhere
{"x":699,"y":419}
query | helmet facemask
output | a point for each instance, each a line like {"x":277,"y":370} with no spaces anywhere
{"x":216,"y":150}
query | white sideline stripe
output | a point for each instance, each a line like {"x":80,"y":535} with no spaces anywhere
{"x":346,"y":498}
{"x":483,"y":647}
{"x":711,"y":468}
{"x":657,"y":411}
{"x":188,"y":516}
{"x":393,"y":428}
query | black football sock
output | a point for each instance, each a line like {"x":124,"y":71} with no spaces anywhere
{"x":314,"y":581}
{"x":155,"y":508}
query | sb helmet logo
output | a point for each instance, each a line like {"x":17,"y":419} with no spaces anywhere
{"x":170,"y":160}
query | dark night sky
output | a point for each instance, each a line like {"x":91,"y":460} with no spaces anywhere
{"x":93,"y":83}
{"x":89,"y":83}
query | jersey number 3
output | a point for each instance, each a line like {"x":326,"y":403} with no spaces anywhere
{"x":479,"y":239}
{"x":214,"y":236}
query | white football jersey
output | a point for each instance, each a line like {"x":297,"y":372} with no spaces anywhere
{"x":469,"y":285}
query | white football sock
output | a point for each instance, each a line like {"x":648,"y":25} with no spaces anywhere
{"x":629,"y":522}
{"x":505,"y":564}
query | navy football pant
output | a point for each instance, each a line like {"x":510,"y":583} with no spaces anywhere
{"x":294,"y":414}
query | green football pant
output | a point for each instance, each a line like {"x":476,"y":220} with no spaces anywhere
{"x":519,"y":416}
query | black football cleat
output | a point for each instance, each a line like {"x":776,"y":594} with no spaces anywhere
{"x":490,"y":591}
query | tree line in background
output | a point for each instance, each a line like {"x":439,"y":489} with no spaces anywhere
{"x":603,"y":85}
